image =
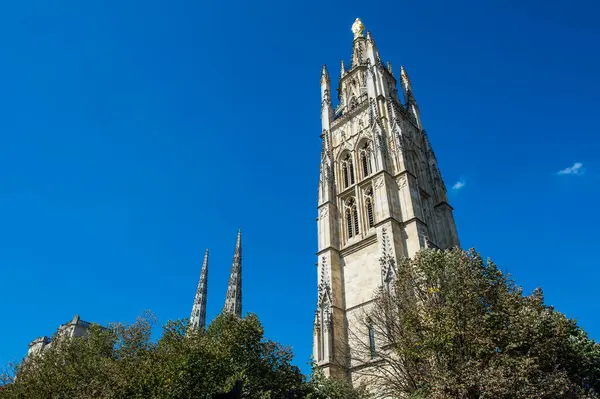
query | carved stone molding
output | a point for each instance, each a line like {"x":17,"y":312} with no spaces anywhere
{"x":387,"y":261}
{"x":401,"y":181}
{"x":323,"y":213}
{"x":324,"y":287}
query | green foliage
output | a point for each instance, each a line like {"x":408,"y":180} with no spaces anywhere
{"x":321,"y":387}
{"x":455,"y":326}
{"x":452,"y":326}
{"x":123,"y":362}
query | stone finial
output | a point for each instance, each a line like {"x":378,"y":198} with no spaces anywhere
{"x":358,"y":28}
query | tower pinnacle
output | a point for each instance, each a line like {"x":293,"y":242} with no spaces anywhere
{"x":233,"y":299}
{"x":324,"y":75}
{"x":405,"y":80}
{"x":198,"y":317}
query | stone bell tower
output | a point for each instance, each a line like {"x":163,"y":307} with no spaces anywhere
{"x":381,"y":196}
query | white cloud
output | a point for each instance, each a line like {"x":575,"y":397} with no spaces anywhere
{"x":458,"y":185}
{"x":576,"y":169}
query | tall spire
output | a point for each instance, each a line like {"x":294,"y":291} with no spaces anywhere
{"x":233,"y":300}
{"x":198,"y":317}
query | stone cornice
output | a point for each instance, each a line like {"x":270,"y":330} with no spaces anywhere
{"x":444,"y":203}
{"x":405,"y":172}
{"x":348,"y":114}
{"x":359,"y":305}
{"x":388,"y":219}
{"x":322,"y":204}
{"x":357,"y":246}
{"x":322,"y":251}
{"x":351,"y":71}
{"x":413,"y":219}
{"x":370,"y":363}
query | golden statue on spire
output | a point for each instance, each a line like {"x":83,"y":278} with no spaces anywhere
{"x":358,"y":28}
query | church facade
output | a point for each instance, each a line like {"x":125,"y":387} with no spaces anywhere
{"x":381,"y":197}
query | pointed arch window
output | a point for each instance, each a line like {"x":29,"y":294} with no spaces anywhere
{"x":348,"y":171}
{"x":365,"y":159}
{"x":351,"y":216}
{"x":369,"y":207}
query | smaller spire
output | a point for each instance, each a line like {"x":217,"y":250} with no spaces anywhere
{"x":404,"y":77}
{"x":198,"y":317}
{"x":389,"y":68}
{"x":375,"y":53}
{"x":233,"y":299}
{"x":409,"y":98}
{"x":325,"y":94}
{"x":326,"y":110}
{"x":324,"y":75}
{"x":342,"y":68}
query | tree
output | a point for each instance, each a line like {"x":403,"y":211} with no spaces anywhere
{"x":321,"y":387}
{"x":123,"y":362}
{"x":454,"y":326}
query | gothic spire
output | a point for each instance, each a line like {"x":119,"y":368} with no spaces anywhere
{"x":198,"y":317}
{"x":233,"y":300}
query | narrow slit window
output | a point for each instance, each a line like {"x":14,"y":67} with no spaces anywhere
{"x":349,"y":223}
{"x":372,"y":341}
{"x":346,"y":175}
{"x":351,"y":214}
{"x":365,"y":163}
{"x":370,"y":212}
{"x":365,"y":159}
{"x":351,"y":171}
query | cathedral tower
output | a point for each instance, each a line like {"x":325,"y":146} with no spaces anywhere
{"x":381,"y":196}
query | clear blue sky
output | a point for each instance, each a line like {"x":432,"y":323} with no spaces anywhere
{"x":136,"y":134}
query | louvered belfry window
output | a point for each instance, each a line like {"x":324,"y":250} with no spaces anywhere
{"x":351,"y":214}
